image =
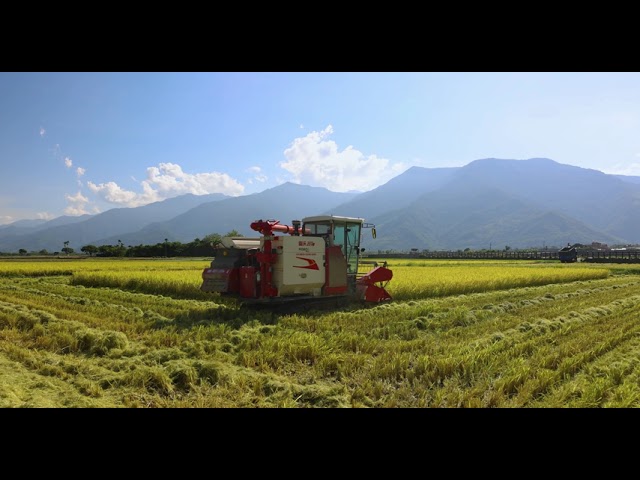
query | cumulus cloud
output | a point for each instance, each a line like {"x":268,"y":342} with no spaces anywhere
{"x":4,"y":219}
{"x":45,"y":216}
{"x":68,"y":162}
{"x":257,"y":174}
{"x":112,"y":193}
{"x":77,"y":204}
{"x":165,"y":181}
{"x":56,"y":151}
{"x":42,"y":131}
{"x":632,"y":169}
{"x":80,"y":171}
{"x":314,"y":160}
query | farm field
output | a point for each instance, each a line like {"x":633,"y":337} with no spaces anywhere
{"x":111,"y":333}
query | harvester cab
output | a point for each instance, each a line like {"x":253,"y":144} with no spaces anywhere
{"x":318,"y":259}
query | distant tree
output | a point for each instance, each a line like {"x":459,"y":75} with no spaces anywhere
{"x":90,"y":249}
{"x":111,"y":251}
{"x":43,"y":252}
{"x":67,"y":250}
{"x":233,"y":233}
{"x":507,"y":248}
{"x":22,"y":251}
{"x":212,"y":239}
{"x":66,"y":247}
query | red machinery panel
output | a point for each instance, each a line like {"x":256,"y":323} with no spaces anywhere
{"x":248,"y":282}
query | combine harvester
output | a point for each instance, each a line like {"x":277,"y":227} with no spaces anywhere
{"x":316,"y":262}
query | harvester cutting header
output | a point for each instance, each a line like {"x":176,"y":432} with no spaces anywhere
{"x":318,"y":258}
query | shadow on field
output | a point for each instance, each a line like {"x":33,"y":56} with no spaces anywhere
{"x":309,"y":308}
{"x":235,"y":316}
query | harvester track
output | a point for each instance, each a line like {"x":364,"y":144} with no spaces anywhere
{"x":306,"y":304}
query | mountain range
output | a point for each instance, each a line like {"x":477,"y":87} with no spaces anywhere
{"x":488,"y":203}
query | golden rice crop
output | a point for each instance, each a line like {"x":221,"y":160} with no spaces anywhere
{"x":31,"y":268}
{"x":415,"y":282}
{"x":175,"y":283}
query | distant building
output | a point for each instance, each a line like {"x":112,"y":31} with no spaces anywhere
{"x":599,"y":246}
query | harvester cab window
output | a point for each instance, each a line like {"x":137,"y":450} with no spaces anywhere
{"x":352,"y":244}
{"x":338,"y":231}
{"x":347,"y":235}
{"x":338,"y":237}
{"x":319,"y":228}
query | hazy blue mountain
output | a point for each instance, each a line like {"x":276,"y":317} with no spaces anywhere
{"x":111,"y":222}
{"x":478,"y":217}
{"x":487,"y":203}
{"x":18,"y":224}
{"x":285,"y":202}
{"x":23,"y":227}
{"x":64,"y":220}
{"x":398,"y":192}
{"x":20,"y":227}
{"x":601,"y":201}
{"x":519,"y":203}
{"x":628,"y":178}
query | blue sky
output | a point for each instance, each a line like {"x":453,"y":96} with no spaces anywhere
{"x":74,"y":142}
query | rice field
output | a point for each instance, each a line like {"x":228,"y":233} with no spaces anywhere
{"x":127,"y":333}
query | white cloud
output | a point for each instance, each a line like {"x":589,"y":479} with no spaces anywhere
{"x":257,"y":175}
{"x":45,"y":215}
{"x":77,"y":204}
{"x":112,"y":193}
{"x":42,"y":131}
{"x":80,"y":171}
{"x":4,"y":219}
{"x":170,"y":179}
{"x":313,"y":160}
{"x":68,"y":162}
{"x":165,"y":181}
{"x":56,"y":151}
{"x":632,"y":169}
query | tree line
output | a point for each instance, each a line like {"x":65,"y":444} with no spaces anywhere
{"x":196,"y":248}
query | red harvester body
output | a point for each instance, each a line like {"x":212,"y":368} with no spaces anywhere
{"x":318,"y":259}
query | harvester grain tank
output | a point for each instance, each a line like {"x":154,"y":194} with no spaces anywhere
{"x":316,"y":258}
